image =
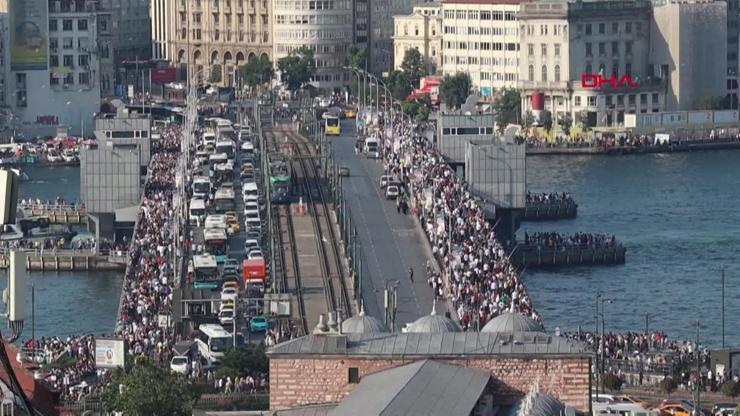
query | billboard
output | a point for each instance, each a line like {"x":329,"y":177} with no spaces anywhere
{"x":29,"y":37}
{"x":109,"y":353}
{"x":163,"y":75}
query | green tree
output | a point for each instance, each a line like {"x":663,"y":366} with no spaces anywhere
{"x":455,"y":89}
{"x":241,"y":361}
{"x":357,"y":57}
{"x":297,"y":68}
{"x":527,"y":119}
{"x":712,"y":103}
{"x":257,"y":71}
{"x":149,"y":389}
{"x":413,"y":66}
{"x":399,"y":85}
{"x":566,"y":122}
{"x":729,"y":388}
{"x":612,"y":382}
{"x":507,"y":108}
{"x":547,"y":120}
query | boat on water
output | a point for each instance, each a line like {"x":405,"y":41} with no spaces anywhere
{"x":69,"y":155}
{"x":53,"y":156}
{"x":36,"y":228}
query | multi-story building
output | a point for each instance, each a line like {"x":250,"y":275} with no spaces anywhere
{"x":5,"y":112}
{"x":325,"y":26}
{"x":421,"y":30}
{"x":59,"y":84}
{"x":380,"y":43}
{"x":124,"y":37}
{"x":684,"y":37}
{"x":162,"y":15}
{"x":562,"y":41}
{"x":212,"y":38}
{"x":480,"y":37}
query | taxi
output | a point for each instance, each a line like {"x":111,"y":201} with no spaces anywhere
{"x":350,"y":113}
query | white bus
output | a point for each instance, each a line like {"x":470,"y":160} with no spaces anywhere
{"x":201,"y":187}
{"x":217,"y":159}
{"x":213,"y":341}
{"x":205,"y":271}
{"x":216,"y":221}
{"x":226,"y":146}
{"x":197,"y":212}
{"x":215,"y":240}
{"x":223,"y":201}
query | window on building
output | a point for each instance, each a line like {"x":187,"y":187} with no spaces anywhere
{"x":589,"y":52}
{"x":628,"y":27}
{"x":615,"y":69}
{"x":628,"y":48}
{"x":530,"y":49}
{"x":67,"y":25}
{"x":68,"y":43}
{"x":615,"y":48}
{"x":632,"y":99}
{"x":620,"y":99}
{"x":53,"y":60}
{"x":628,"y":69}
{"x":615,"y":27}
{"x":557,"y":73}
{"x":353,"y":375}
{"x":602,"y":28}
{"x":69,"y":60}
{"x":69,"y":79}
{"x":592,"y":101}
{"x":531,"y":72}
{"x":544,"y":73}
{"x":53,"y":25}
{"x":643,"y":99}
{"x":589,"y":69}
{"x":602,"y":48}
{"x":53,"y":44}
{"x":608,"y":100}
{"x":588,"y":28}
{"x":511,"y":16}
{"x":655,"y":98}
{"x":485,"y":15}
{"x":544,"y":49}
{"x":578,"y":100}
{"x":82,"y":25}
{"x":83,"y":60}
{"x":83,"y":78}
{"x":557,"y":50}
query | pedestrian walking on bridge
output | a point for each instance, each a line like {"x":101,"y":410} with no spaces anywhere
{"x":411,"y":274}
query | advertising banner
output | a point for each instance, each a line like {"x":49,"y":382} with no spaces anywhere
{"x":109,"y":353}
{"x":163,"y":75}
{"x":29,"y":37}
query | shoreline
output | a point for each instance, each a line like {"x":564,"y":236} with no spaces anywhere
{"x":632,"y":150}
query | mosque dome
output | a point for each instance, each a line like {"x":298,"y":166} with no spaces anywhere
{"x":538,"y":404}
{"x":363,"y":324}
{"x":433,"y":323}
{"x":512,"y":322}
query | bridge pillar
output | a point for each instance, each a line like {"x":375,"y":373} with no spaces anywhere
{"x":506,"y":222}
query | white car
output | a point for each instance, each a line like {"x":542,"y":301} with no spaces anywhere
{"x":255,"y":253}
{"x":226,"y":316}
{"x":251,"y":215}
{"x":229,"y":293}
{"x":251,"y":208}
{"x":180,"y":364}
{"x":385,"y":180}
{"x":391,"y":192}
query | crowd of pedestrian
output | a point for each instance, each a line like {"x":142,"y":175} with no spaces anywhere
{"x":483,"y":283}
{"x":256,"y":383}
{"x":554,"y":240}
{"x":548,"y":198}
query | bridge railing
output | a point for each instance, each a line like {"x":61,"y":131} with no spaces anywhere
{"x":4,"y":252}
{"x":53,"y":207}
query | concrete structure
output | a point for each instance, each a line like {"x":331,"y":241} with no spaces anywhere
{"x":684,"y":47}
{"x":6,"y":114}
{"x":454,"y":131}
{"x":324,"y":26}
{"x":218,"y":36}
{"x":327,"y":368}
{"x":125,"y":43}
{"x":112,"y":171}
{"x":480,"y":37}
{"x":562,"y":41}
{"x":162,"y":15}
{"x":380,"y":45}
{"x":63,"y":88}
{"x":422,"y":30}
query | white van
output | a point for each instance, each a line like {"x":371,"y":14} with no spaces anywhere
{"x":371,"y":148}
{"x":197,"y":211}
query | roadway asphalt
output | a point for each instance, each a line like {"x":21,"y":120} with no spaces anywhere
{"x":391,"y":242}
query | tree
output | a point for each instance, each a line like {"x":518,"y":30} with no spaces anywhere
{"x":729,"y":388}
{"x":566,"y":122}
{"x":455,"y":89}
{"x":257,"y":71}
{"x":612,"y":382}
{"x":399,"y":85}
{"x":527,"y":119}
{"x":507,"y":108}
{"x":148,"y":389}
{"x":547,"y":120}
{"x":413,"y":66}
{"x":357,"y":57}
{"x":297,"y":68}
{"x":668,"y":385}
{"x":242,"y":361}
{"x":712,"y":103}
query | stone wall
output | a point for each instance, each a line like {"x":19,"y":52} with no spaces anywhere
{"x":303,"y":381}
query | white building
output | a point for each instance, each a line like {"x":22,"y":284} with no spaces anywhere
{"x":563,"y":41}
{"x":162,"y":14}
{"x":59,"y":86}
{"x":421,"y":30}
{"x":684,"y":47}
{"x":324,"y":26}
{"x":481,"y":38}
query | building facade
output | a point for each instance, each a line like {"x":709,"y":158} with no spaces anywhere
{"x":480,"y":37}
{"x":421,"y":30}
{"x":162,"y":15}
{"x":324,"y":26}
{"x":380,"y":45}
{"x":568,"y":47}
{"x":684,"y":37}
{"x":212,"y":38}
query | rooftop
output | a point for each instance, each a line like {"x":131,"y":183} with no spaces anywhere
{"x":446,"y":344}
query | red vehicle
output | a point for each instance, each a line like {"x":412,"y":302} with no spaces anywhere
{"x":253,"y":269}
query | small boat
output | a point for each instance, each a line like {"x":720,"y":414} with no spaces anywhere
{"x":52,"y":231}
{"x":69,"y":155}
{"x":53,"y":156}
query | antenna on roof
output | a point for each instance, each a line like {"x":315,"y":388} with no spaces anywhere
{"x":434,"y":307}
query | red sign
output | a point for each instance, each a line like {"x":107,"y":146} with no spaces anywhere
{"x":163,"y":75}
{"x":594,"y":81}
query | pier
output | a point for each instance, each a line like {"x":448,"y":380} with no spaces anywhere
{"x":561,"y":210}
{"x":57,"y":213}
{"x":68,"y":260}
{"x":533,"y":256}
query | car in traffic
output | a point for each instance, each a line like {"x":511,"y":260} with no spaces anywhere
{"x":251,"y":209}
{"x":229,"y":293}
{"x":226,"y":315}
{"x":255,"y":253}
{"x":724,"y":409}
{"x":385,"y":180}
{"x":229,"y":284}
{"x":180,"y":364}
{"x":257,"y":324}
{"x":392,"y":191}
{"x":343,"y":171}
{"x":350,"y":113}
{"x":670,"y":408}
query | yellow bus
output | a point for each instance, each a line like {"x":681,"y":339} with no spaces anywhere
{"x":332,"y":126}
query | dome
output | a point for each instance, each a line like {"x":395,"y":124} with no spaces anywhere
{"x":433,"y":323}
{"x":538,"y":404}
{"x":362,"y":323}
{"x":512,"y":322}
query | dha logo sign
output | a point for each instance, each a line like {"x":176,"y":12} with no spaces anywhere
{"x":594,"y":81}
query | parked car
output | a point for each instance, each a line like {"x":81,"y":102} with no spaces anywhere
{"x":258,"y":324}
{"x":180,"y":364}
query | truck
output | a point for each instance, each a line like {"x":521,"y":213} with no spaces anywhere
{"x":253,"y":269}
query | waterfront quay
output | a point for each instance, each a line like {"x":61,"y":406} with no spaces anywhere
{"x":549,"y":207}
{"x":59,"y":260}
{"x":56,"y":213}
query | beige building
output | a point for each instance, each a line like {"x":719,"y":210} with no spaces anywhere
{"x":481,"y":38}
{"x":422,"y":30}
{"x":325,"y":26}
{"x":685,"y":48}
{"x":563,"y":41}
{"x":213,"y":37}
{"x":162,"y":14}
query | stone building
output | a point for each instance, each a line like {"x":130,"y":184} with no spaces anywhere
{"x":212,"y":38}
{"x":422,"y":30}
{"x":330,"y":365}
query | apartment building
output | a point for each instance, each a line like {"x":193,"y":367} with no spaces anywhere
{"x":421,"y":30}
{"x":162,"y":16}
{"x":380,"y":45}
{"x":324,"y":26}
{"x":212,"y":38}
{"x":481,"y":38}
{"x":562,"y":41}
{"x":5,"y":112}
